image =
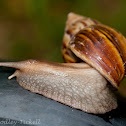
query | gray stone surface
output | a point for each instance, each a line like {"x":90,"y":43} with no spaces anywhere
{"x":20,"y":107}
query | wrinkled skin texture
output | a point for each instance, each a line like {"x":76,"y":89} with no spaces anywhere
{"x":76,"y":85}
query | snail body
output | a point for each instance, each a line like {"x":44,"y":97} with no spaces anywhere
{"x":79,"y":85}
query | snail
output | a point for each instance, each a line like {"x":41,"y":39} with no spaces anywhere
{"x":95,"y":57}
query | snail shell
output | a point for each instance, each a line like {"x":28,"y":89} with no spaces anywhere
{"x":74,"y":24}
{"x":101,"y":47}
{"x":78,"y":84}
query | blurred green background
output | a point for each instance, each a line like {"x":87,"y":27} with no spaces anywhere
{"x":34,"y":28}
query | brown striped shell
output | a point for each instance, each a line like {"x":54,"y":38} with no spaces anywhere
{"x":74,"y":24}
{"x":101,"y":47}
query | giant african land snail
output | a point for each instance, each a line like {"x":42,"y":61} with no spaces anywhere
{"x":77,"y":84}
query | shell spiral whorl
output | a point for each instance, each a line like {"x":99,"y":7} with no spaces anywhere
{"x":98,"y":45}
{"x":74,"y":24}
